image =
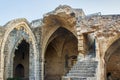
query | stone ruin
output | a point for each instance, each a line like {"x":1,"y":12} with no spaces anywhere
{"x":65,"y":45}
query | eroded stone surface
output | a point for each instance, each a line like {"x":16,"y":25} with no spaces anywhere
{"x":63,"y":38}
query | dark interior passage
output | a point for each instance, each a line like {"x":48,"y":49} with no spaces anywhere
{"x":21,"y":61}
{"x":19,"y":70}
{"x":113,"y":62}
{"x":61,"y":54}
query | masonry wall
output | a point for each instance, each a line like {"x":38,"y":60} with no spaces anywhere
{"x":105,"y":30}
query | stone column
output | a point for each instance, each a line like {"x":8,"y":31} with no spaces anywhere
{"x":1,"y":61}
{"x":31,"y":63}
{"x":34,"y":64}
{"x":1,"y":70}
{"x":80,"y":44}
{"x":42,"y":68}
{"x":101,"y":73}
{"x":37,"y":64}
{"x":7,"y":62}
{"x":1,"y":74}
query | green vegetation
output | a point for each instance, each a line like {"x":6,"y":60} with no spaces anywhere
{"x":14,"y":79}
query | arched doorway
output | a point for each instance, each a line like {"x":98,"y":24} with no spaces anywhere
{"x":11,"y":40}
{"x":21,"y":61}
{"x":61,"y":54}
{"x":113,"y":61}
{"x":19,"y":71}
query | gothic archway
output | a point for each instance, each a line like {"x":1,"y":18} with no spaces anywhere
{"x":21,"y":60}
{"x":19,"y":71}
{"x":112,"y":58}
{"x":61,"y":54}
{"x":16,"y":31}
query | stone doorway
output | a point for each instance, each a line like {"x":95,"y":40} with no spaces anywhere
{"x":61,"y":54}
{"x":21,"y":61}
{"x":19,"y":71}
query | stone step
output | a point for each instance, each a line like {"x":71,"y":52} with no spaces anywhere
{"x":82,"y":71}
{"x":84,"y":67}
{"x":82,"y":74}
{"x":86,"y":63}
{"x":79,"y":78}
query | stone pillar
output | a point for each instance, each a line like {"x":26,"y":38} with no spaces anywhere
{"x":37,"y":63}
{"x":31,"y":63}
{"x":101,"y":70}
{"x":42,"y":68}
{"x":101,"y":73}
{"x":1,"y":75}
{"x":37,"y":68}
{"x":1,"y":71}
{"x":1,"y":61}
{"x":34,"y":64}
{"x":80,"y":44}
{"x":7,"y":64}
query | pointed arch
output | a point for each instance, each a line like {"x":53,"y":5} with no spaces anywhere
{"x":111,"y":58}
{"x":113,"y":28}
{"x":18,"y":24}
{"x":112,"y":46}
{"x":64,"y":42}
{"x":46,"y":41}
{"x":19,"y":70}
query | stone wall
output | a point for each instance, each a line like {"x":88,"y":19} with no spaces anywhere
{"x":102,"y":31}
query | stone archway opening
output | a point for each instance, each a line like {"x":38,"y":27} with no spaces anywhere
{"x":61,"y":54}
{"x":113,"y":61}
{"x":19,"y":71}
{"x":21,"y":61}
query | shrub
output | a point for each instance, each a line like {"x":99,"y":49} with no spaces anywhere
{"x":14,"y":79}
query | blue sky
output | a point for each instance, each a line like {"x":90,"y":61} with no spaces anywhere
{"x":34,"y":9}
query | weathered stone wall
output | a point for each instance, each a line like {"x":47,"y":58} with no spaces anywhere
{"x":95,"y":29}
{"x":16,"y":31}
{"x":113,"y":64}
{"x":37,"y":33}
